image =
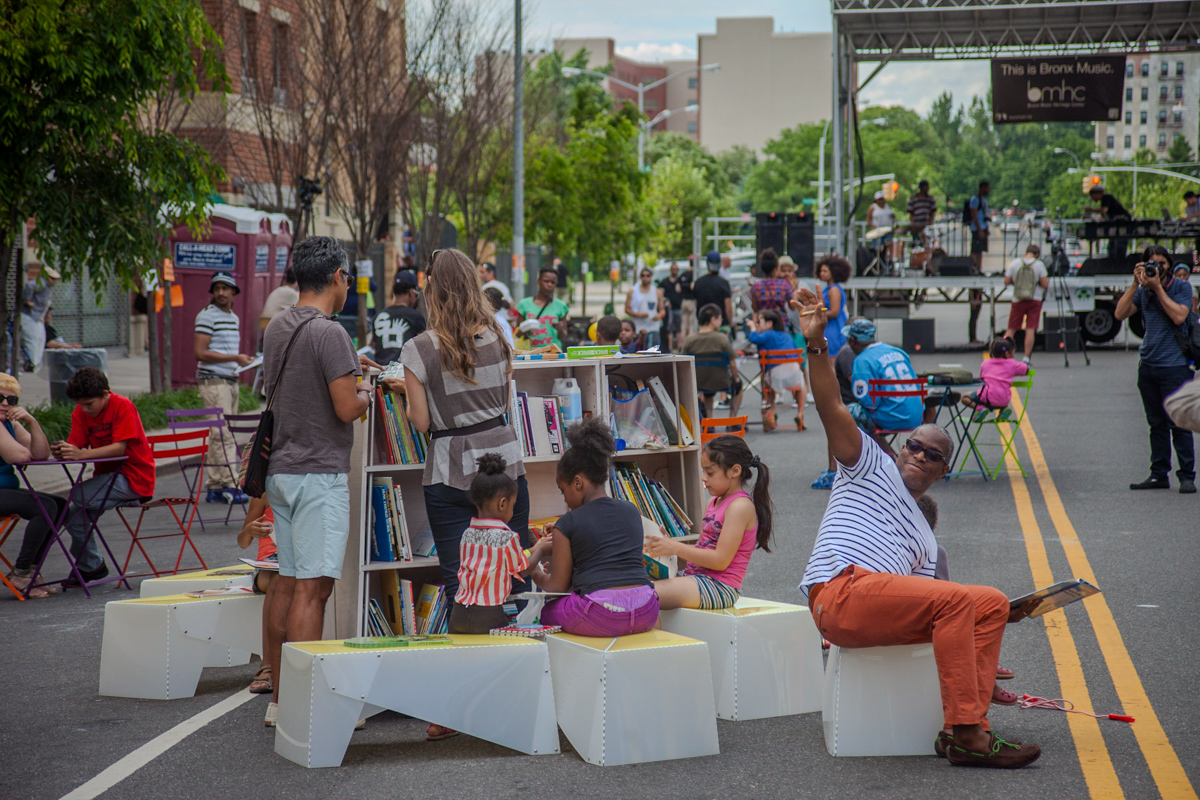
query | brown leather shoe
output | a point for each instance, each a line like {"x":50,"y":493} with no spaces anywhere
{"x":1001,"y":755}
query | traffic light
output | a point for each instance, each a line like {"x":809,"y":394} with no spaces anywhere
{"x":890,"y":188}
{"x":1089,"y":181}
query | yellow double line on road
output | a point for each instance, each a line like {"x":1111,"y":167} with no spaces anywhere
{"x":1098,"y":769}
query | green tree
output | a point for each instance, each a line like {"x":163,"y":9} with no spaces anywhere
{"x":781,"y":180}
{"x":1180,"y":151}
{"x":678,"y":192}
{"x":737,"y":162}
{"x":683,"y":150}
{"x":74,"y":81}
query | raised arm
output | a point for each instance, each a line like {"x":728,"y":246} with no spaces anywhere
{"x":845,"y":440}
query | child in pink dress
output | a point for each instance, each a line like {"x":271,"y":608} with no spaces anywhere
{"x":997,"y":374}
{"x":735,"y":523}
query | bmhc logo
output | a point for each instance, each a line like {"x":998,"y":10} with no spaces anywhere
{"x":1055,"y":94}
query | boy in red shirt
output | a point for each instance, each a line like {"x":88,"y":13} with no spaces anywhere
{"x":103,"y":425}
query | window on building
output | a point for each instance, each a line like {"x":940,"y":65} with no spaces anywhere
{"x":1177,"y":117}
{"x":650,"y":104}
{"x":1128,"y":141}
{"x":1142,"y":140}
{"x":1128,"y":69}
{"x":1111,"y":141}
{"x":1178,"y":69}
{"x":279,"y":64}
{"x":1162,"y":117}
{"x":692,"y":128}
{"x":1145,"y":68}
{"x":1164,"y":69}
{"x":1162,"y":141}
{"x":1128,"y":117}
{"x":1162,"y":93}
{"x":1145,"y":92}
{"x":1129,"y":94}
{"x":1179,"y":92}
{"x":249,"y":35}
{"x":691,"y":83}
{"x":1142,"y":117}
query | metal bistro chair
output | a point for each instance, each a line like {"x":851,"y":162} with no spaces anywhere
{"x":7,"y":526}
{"x":714,"y":361}
{"x":212,"y":419}
{"x":713,"y":427}
{"x":878,"y":388}
{"x":975,"y":426}
{"x":177,"y":445}
{"x":775,"y":358}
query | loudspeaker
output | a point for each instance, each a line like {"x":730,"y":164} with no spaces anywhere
{"x":1109,"y":266}
{"x":801,"y":242}
{"x":1059,"y":331}
{"x":958,"y":266}
{"x":768,"y":232}
{"x":917,"y":335}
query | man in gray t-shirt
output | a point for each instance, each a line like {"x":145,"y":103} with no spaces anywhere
{"x":318,"y":399}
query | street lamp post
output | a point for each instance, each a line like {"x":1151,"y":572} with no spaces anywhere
{"x":641,"y":89}
{"x":665,"y":113}
{"x":1065,"y":151}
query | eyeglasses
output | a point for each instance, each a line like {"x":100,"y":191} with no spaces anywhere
{"x":931,"y":455}
{"x":11,"y":399}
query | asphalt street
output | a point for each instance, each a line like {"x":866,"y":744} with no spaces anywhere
{"x":1133,"y":651}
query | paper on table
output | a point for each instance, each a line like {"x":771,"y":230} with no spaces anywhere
{"x":255,"y":364}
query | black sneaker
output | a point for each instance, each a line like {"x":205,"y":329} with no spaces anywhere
{"x":1187,"y":487}
{"x":100,"y":573}
{"x":1152,"y":483}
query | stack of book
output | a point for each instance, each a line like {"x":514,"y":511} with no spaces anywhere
{"x":389,"y":541}
{"x":651,"y":498}
{"x":539,"y":424}
{"x":433,"y":609}
{"x":397,"y":441}
{"x":377,"y":624}
{"x":399,"y":606}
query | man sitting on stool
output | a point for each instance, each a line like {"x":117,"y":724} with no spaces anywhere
{"x":869,"y":581}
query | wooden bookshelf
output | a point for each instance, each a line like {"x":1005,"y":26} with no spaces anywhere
{"x":677,"y":468}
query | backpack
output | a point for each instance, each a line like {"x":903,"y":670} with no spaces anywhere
{"x":966,"y":220}
{"x":1189,"y":339}
{"x":1024,"y":282}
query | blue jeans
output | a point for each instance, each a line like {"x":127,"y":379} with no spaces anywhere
{"x":1154,"y":384}
{"x":92,"y":492}
{"x":450,"y":511}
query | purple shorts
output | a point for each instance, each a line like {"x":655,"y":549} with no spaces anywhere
{"x":607,"y":612}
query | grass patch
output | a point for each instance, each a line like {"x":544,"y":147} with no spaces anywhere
{"x":55,"y":418}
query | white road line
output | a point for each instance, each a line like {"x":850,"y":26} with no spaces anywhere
{"x":155,"y":748}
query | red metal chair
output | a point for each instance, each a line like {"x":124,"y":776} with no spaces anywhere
{"x":170,"y":445}
{"x":776,"y":358}
{"x":7,"y":526}
{"x":878,"y":388}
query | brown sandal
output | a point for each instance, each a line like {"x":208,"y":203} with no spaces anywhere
{"x":435,"y":732}
{"x":261,"y":683}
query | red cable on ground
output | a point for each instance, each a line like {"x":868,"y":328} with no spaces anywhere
{"x":1059,"y":704}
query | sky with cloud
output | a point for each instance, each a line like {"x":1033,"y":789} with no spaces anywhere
{"x":666,"y":29}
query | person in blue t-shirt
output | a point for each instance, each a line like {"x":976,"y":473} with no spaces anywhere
{"x":879,"y":361}
{"x":769,"y":333}
{"x":1165,"y":303}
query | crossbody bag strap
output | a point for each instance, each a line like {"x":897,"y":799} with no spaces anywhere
{"x":283,"y":363}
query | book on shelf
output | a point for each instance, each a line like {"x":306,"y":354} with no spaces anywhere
{"x":676,"y":435}
{"x":539,"y":424}
{"x":396,"y":440}
{"x":408,"y":615}
{"x":424,"y":546}
{"x":377,"y":624}
{"x":651,"y":498}
{"x":432,"y":611}
{"x":390,"y":540}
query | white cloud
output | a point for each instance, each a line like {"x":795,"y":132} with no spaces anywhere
{"x":653,"y":51}
{"x":916,"y":84}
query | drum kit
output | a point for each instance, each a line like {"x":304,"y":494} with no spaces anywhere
{"x":889,"y":249}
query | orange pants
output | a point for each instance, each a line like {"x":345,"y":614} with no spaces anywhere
{"x":861,"y":608}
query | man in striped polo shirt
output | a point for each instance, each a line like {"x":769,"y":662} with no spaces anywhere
{"x":216,"y":344}
{"x":870,"y":579}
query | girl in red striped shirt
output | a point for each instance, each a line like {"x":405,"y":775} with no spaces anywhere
{"x":490,"y":553}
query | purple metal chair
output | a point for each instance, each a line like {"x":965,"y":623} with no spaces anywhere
{"x":186,"y":419}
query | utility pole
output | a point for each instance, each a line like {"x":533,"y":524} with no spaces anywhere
{"x":518,"y":245}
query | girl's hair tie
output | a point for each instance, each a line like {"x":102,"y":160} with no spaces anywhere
{"x":754,"y":461}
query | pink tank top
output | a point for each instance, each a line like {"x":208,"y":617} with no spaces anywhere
{"x":710,"y":531}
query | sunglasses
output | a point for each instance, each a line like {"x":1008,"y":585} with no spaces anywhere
{"x":931,"y":455}
{"x":11,"y":399}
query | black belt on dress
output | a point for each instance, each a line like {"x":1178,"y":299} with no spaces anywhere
{"x":478,"y":427}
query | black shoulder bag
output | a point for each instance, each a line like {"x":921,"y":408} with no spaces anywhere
{"x":1189,"y":342}
{"x":255,"y":482}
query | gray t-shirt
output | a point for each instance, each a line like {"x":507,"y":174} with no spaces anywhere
{"x":37,"y":293}
{"x":308,"y":436}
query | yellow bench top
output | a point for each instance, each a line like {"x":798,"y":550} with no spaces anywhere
{"x":336,"y":646}
{"x":230,"y":572}
{"x":749,"y":606}
{"x":636,"y":641}
{"x":180,"y":599}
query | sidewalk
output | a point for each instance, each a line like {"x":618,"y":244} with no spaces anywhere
{"x":127,"y":375}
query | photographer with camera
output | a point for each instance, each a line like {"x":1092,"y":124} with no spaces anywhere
{"x":1165,"y":303}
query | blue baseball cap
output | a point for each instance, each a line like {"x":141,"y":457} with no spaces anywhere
{"x":405,"y":280}
{"x":714,"y":259}
{"x":860,"y":330}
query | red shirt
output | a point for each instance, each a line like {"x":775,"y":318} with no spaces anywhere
{"x":489,"y":555}
{"x":118,"y":422}
{"x":266,"y":545}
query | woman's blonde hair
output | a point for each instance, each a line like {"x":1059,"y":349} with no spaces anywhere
{"x":9,"y":384}
{"x":457,"y":308}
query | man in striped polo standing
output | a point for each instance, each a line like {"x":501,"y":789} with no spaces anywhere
{"x":870,"y":579}
{"x":216,"y":344}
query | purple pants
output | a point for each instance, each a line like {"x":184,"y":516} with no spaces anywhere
{"x":607,"y":612}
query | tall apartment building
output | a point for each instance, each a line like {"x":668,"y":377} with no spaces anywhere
{"x":602,"y":52}
{"x":1162,"y":96}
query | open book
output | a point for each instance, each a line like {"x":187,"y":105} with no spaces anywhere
{"x":1056,"y":596}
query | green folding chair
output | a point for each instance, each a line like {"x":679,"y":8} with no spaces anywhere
{"x":976,"y":426}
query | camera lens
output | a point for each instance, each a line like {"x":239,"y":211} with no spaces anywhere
{"x":1151,"y":270}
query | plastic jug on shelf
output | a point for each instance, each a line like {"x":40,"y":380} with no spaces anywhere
{"x":572,"y":399}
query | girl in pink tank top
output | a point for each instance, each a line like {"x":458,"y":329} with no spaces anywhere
{"x":735,"y":523}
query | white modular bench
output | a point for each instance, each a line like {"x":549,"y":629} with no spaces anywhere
{"x":198,"y":581}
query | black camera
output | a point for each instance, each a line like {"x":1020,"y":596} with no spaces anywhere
{"x":1150,"y":269}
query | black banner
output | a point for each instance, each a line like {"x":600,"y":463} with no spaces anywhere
{"x":1058,"y":89}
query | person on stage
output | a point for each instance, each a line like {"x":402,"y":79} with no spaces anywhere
{"x":1109,"y":208}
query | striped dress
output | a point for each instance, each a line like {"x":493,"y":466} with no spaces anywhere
{"x":458,"y":403}
{"x":872,"y":521}
{"x":490,"y":555}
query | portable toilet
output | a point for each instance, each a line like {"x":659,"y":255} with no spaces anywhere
{"x":281,"y":242}
{"x":239,"y":241}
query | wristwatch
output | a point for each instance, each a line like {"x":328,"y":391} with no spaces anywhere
{"x":817,"y":350}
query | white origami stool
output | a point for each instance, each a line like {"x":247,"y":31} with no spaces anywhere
{"x":633,"y":699}
{"x":197,"y":582}
{"x":155,"y":647}
{"x":766,"y":656}
{"x":882,"y":701}
{"x":490,"y":687}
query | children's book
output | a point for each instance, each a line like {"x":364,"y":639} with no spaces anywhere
{"x":370,"y":642}
{"x":532,"y":631}
{"x":268,"y":564}
{"x":408,"y":613}
{"x":426,"y":603}
{"x":657,"y":568}
{"x":1056,"y":596}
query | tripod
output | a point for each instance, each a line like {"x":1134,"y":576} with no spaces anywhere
{"x":1063,"y":301}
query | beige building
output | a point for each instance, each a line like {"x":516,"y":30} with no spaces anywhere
{"x":1162,"y":93}
{"x":768,"y":81}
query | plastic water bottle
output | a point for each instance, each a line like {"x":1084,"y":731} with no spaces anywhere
{"x":572,"y":399}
